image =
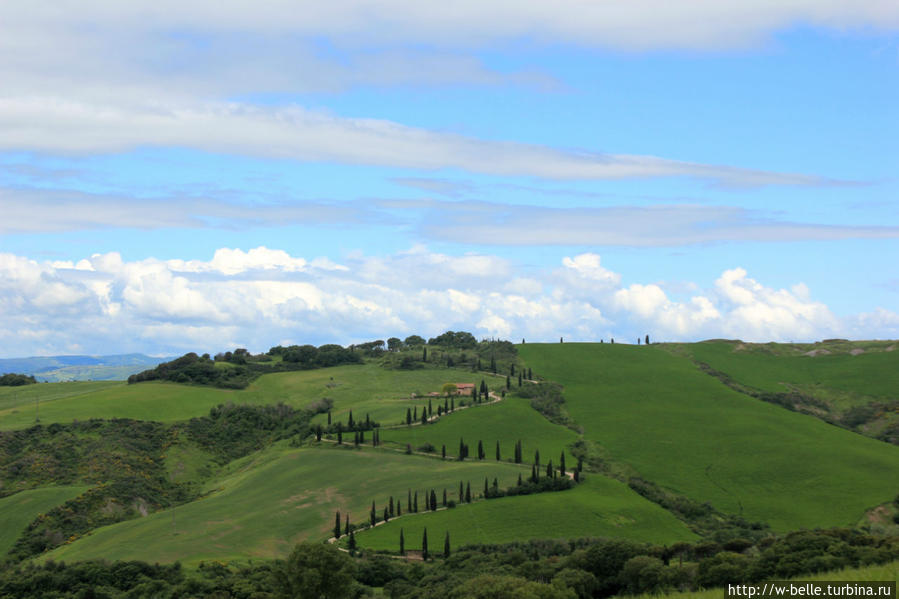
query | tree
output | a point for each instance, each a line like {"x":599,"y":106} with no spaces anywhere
{"x":493,"y":364}
{"x":408,"y":416}
{"x":318,"y":432}
{"x":647,"y":339}
{"x":430,"y":409}
{"x":390,"y":506}
{"x":444,"y":496}
{"x":409,"y":501}
{"x":415,"y":502}
{"x":415,"y":413}
{"x":402,"y":543}
{"x":394,"y":344}
{"x":530,"y":375}
{"x":316,"y":571}
{"x":433,"y":501}
{"x":480,"y":450}
{"x":446,"y":546}
{"x":461,"y":492}
{"x":562,"y":464}
{"x":339,"y":436}
{"x":350,"y":420}
{"x":519,"y":479}
{"x":549,"y":469}
{"x":508,"y":383}
{"x":449,"y":389}
{"x":329,"y":417}
{"x":373,"y":516}
{"x":537,"y":457}
{"x":424,"y":544}
{"x":468,"y":492}
{"x":351,"y":544}
{"x":511,"y":369}
{"x":519,"y":379}
{"x":461,"y":449}
{"x":337,"y":525}
{"x":486,"y":488}
{"x":443,"y":452}
{"x":497,"y":450}
{"x":413,"y":341}
{"x":424,"y":416}
{"x":346,"y":529}
{"x":386,"y":514}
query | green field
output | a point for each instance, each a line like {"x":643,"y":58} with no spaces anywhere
{"x":507,"y":421}
{"x":361,"y":388}
{"x":263,"y":504}
{"x":884,"y":573}
{"x":687,"y":431}
{"x":599,"y":507}
{"x":874,"y":373}
{"x":19,"y":510}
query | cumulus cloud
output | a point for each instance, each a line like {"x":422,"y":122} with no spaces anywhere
{"x":262,"y":296}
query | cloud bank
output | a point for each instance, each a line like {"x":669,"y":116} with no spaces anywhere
{"x":262,"y":297}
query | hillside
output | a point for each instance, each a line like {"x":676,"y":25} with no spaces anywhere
{"x":674,"y":425}
{"x":80,"y":368}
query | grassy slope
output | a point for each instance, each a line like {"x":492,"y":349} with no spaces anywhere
{"x":19,"y":510}
{"x":886,"y":572}
{"x":270,"y":501}
{"x":685,"y":430}
{"x":598,"y":507}
{"x":507,"y":422}
{"x":872,"y":374}
{"x":361,"y":388}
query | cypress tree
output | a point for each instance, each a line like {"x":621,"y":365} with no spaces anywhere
{"x":408,"y":416}
{"x":329,"y":417}
{"x":424,"y":545}
{"x":430,"y":409}
{"x":443,"y":452}
{"x":492,"y":364}
{"x":577,"y":476}
{"x":537,"y":457}
{"x":339,"y":437}
{"x":346,"y":529}
{"x":386,"y":514}
{"x":497,"y":450}
{"x":361,"y":437}
{"x":367,"y":420}
{"x":508,"y":383}
{"x":337,"y":525}
{"x":446,"y":546}
{"x":399,"y":509}
{"x":351,"y":545}
{"x":409,"y":501}
{"x":519,"y":380}
{"x":415,"y":502}
{"x":445,"y":405}
{"x":480,"y":450}
{"x":444,"y":496}
{"x":534,"y":478}
{"x":549,"y":469}
{"x":486,"y":488}
{"x":461,"y":492}
{"x":479,"y":364}
{"x":511,"y":369}
{"x":433,"y":501}
{"x":390,"y":506}
{"x":373,"y":516}
{"x":580,"y":464}
{"x":468,"y":492}
{"x":530,"y":375}
{"x":647,"y":339}
{"x":562,"y":464}
{"x":474,"y":395}
{"x":402,"y":543}
{"x":350,"y":420}
{"x":356,"y":439}
{"x":415,"y":413}
{"x":424,"y":416}
{"x":519,"y":479}
{"x":318,"y":432}
{"x":495,"y":485}
{"x":461,"y":449}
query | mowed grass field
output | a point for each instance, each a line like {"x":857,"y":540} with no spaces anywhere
{"x":361,"y":388}
{"x":599,"y":507}
{"x":506,"y":421}
{"x":265,"y":503}
{"x":686,"y":431}
{"x":873,"y":373}
{"x":19,"y":510}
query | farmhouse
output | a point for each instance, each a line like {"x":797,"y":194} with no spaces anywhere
{"x":464,"y":388}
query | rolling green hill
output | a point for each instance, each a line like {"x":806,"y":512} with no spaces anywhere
{"x":507,"y":421}
{"x":599,"y":507}
{"x":19,"y":510}
{"x":263,"y":504}
{"x":686,"y":431}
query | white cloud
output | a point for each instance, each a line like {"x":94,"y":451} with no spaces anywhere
{"x":260,"y":297}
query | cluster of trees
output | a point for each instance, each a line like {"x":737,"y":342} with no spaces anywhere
{"x":237,"y":369}
{"x":574,"y":569}
{"x":12,"y":379}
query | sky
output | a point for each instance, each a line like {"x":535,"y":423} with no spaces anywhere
{"x":200,"y":176}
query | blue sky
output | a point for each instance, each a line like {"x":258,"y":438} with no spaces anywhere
{"x":199,"y":176}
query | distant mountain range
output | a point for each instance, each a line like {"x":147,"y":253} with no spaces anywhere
{"x":81,"y":368}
